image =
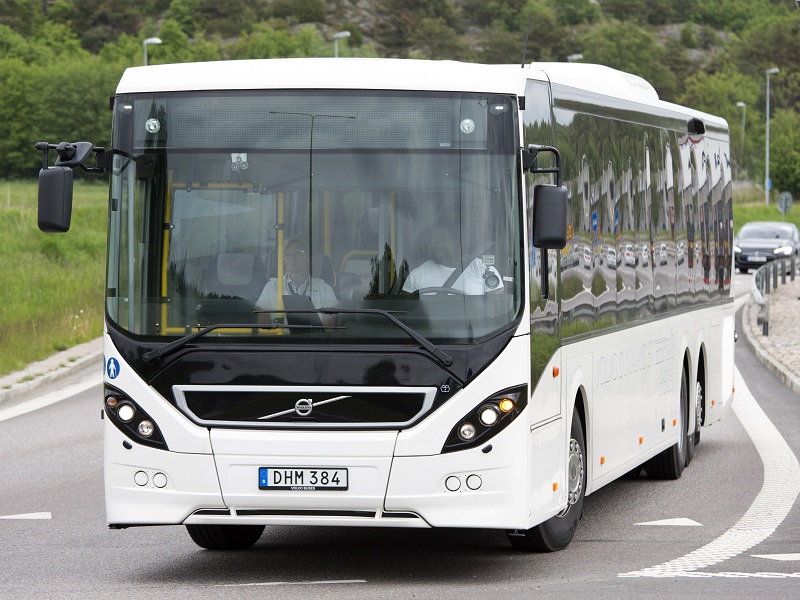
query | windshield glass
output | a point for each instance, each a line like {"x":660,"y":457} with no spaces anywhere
{"x":765,"y":232}
{"x":245,"y":208}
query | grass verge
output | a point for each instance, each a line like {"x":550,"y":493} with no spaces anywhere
{"x":51,"y":285}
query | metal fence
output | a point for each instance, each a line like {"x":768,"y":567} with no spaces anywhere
{"x":766,"y":280}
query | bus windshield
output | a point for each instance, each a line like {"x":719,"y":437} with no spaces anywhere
{"x":250,"y":208}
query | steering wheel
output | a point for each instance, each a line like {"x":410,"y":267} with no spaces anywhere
{"x":440,"y":290}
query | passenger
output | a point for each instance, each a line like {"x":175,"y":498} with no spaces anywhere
{"x":297,"y":281}
{"x":437,"y":272}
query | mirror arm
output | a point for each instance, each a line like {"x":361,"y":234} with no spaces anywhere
{"x":73,"y":155}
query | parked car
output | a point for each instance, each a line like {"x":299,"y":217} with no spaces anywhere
{"x":587,"y":258}
{"x":611,"y":257}
{"x":629,"y":254}
{"x":760,"y":242}
{"x":646,"y":255}
{"x":680,"y":253}
{"x":662,"y":254}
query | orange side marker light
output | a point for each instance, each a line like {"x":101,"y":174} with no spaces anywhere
{"x":602,"y":460}
{"x":556,"y":371}
{"x":555,"y":486}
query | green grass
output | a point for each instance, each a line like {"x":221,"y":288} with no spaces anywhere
{"x":749,"y":205}
{"x":51,"y":285}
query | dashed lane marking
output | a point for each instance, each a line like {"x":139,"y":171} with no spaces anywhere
{"x":679,"y":522}
{"x":278,"y":583}
{"x":769,"y":509}
{"x":783,"y":557}
{"x":31,"y":516}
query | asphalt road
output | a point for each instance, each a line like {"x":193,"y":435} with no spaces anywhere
{"x":729,"y":517}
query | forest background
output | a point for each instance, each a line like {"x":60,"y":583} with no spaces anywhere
{"x":60,"y":60}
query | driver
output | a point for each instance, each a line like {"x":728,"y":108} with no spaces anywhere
{"x":474,"y":279}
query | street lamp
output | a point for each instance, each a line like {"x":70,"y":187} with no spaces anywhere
{"x":152,"y":40}
{"x":743,"y":106}
{"x":769,"y":72}
{"x":336,"y":38}
{"x":574,"y":57}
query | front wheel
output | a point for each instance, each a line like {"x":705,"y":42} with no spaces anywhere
{"x":225,"y":537}
{"x":557,"y":532}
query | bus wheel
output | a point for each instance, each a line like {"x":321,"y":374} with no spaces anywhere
{"x":557,"y":532}
{"x":698,"y":413}
{"x":225,"y":537}
{"x":669,"y":464}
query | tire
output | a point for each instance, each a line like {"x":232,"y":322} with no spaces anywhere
{"x":743,"y":270}
{"x":225,"y":537}
{"x":557,"y":532}
{"x":669,"y":464}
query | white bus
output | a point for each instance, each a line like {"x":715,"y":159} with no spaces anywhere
{"x":448,"y":362}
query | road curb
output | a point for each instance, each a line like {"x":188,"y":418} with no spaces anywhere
{"x":774,"y":366}
{"x":50,"y":369}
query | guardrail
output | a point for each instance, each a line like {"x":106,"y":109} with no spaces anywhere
{"x":764,"y":281}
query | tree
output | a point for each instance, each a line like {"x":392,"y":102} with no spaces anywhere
{"x":630,"y":48}
{"x":784,"y":158}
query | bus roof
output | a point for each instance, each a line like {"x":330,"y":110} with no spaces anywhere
{"x":390,"y":74}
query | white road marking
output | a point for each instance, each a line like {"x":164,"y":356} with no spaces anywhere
{"x":276,"y":583}
{"x":784,"y":557}
{"x":51,"y":398}
{"x":769,"y":509}
{"x":34,"y":516}
{"x":679,"y":522}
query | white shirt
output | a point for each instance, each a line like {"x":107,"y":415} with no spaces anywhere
{"x":431,"y":274}
{"x":321,"y":293}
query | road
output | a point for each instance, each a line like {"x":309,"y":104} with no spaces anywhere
{"x":56,"y":543}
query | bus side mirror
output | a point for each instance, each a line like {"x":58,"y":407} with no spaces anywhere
{"x":550,"y":216}
{"x":55,"y":199}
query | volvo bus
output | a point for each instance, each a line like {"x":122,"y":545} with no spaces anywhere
{"x":578,"y":327}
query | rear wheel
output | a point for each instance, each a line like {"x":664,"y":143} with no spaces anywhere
{"x":669,"y":464}
{"x":225,"y":537}
{"x":557,"y":532}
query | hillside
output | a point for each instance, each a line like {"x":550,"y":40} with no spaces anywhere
{"x":709,"y":54}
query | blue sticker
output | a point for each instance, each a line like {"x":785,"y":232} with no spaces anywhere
{"x":112,"y":368}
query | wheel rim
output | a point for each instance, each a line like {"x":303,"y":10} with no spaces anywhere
{"x":574,"y":475}
{"x":699,"y":408}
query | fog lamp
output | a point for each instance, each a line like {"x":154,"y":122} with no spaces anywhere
{"x":467,"y":431}
{"x":146,"y":428}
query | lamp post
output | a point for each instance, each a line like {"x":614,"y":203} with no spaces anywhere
{"x":769,"y":72}
{"x":336,"y":38}
{"x":152,"y":40}
{"x":743,"y":106}
{"x":574,"y":57}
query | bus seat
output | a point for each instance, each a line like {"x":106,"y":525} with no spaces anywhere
{"x":235,"y":274}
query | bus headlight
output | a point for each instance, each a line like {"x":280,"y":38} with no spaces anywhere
{"x":126,"y":412}
{"x":132,"y":420}
{"x":489,"y":416}
{"x":487,"y":419}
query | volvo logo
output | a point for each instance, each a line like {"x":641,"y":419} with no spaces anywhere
{"x":303,"y":407}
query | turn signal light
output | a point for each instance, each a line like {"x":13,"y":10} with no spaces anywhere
{"x":506,"y":405}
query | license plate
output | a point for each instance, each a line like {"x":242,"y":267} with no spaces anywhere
{"x":757,"y":259}
{"x":302,"y":479}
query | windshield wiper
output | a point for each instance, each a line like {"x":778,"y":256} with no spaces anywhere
{"x":434,"y":350}
{"x":167,"y":349}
